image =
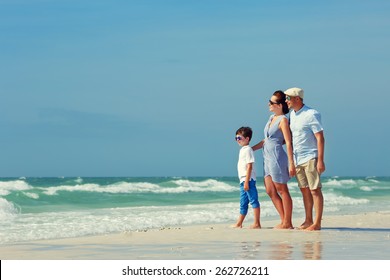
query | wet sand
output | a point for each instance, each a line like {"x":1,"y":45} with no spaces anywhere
{"x":347,"y":237}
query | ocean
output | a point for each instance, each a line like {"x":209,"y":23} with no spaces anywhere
{"x":50,"y":208}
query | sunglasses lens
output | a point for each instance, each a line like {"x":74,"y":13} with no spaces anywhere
{"x":272,"y":103}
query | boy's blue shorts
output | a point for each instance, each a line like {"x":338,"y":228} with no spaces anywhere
{"x":249,"y":196}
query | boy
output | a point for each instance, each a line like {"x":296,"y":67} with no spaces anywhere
{"x":247,"y":176}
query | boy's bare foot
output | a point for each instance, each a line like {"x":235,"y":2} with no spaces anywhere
{"x":236,"y":226}
{"x":313,"y":227}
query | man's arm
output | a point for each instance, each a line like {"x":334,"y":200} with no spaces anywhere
{"x":321,"y":147}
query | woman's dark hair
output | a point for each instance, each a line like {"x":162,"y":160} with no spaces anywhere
{"x":282,"y":100}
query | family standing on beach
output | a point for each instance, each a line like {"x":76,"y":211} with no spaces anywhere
{"x":302,"y":133}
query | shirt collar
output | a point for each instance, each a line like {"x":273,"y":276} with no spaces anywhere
{"x":301,"y":110}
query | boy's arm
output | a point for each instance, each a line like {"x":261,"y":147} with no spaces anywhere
{"x":249,"y":167}
{"x":258,"y":146}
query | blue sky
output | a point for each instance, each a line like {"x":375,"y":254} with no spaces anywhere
{"x":158,"y":88}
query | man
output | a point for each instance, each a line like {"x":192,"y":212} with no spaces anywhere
{"x":308,"y":147}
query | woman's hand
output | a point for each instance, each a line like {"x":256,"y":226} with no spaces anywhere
{"x":292,"y":170}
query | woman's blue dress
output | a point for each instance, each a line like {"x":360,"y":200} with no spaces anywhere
{"x":275,"y":157}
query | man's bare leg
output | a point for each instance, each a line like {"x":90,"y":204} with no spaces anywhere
{"x":318,"y":200}
{"x":308,"y":203}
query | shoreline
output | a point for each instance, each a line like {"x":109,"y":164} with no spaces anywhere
{"x":358,"y":236}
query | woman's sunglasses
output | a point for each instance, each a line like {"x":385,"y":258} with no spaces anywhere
{"x":273,"y":103}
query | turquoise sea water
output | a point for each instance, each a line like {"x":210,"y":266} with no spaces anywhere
{"x":47,"y":208}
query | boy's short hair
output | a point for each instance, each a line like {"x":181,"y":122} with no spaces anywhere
{"x":245,"y":131}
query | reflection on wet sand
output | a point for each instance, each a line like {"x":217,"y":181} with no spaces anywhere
{"x":281,"y":251}
{"x":250,"y":250}
{"x":285,"y":250}
{"x":312,"y":250}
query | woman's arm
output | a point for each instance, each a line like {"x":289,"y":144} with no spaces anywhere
{"x":285,"y":128}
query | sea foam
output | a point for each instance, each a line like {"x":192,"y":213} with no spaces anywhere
{"x":6,"y":187}
{"x":7,"y":209}
{"x":176,"y":186}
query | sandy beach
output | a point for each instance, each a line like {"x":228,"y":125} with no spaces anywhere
{"x":346,"y":237}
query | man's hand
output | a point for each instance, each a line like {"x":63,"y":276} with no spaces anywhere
{"x":320,"y":167}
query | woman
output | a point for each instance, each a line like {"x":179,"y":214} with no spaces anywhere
{"x":278,"y":166}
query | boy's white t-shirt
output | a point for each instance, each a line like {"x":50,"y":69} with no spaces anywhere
{"x":245,"y":156}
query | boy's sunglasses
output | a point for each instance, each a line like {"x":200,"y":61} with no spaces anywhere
{"x":238,"y":138}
